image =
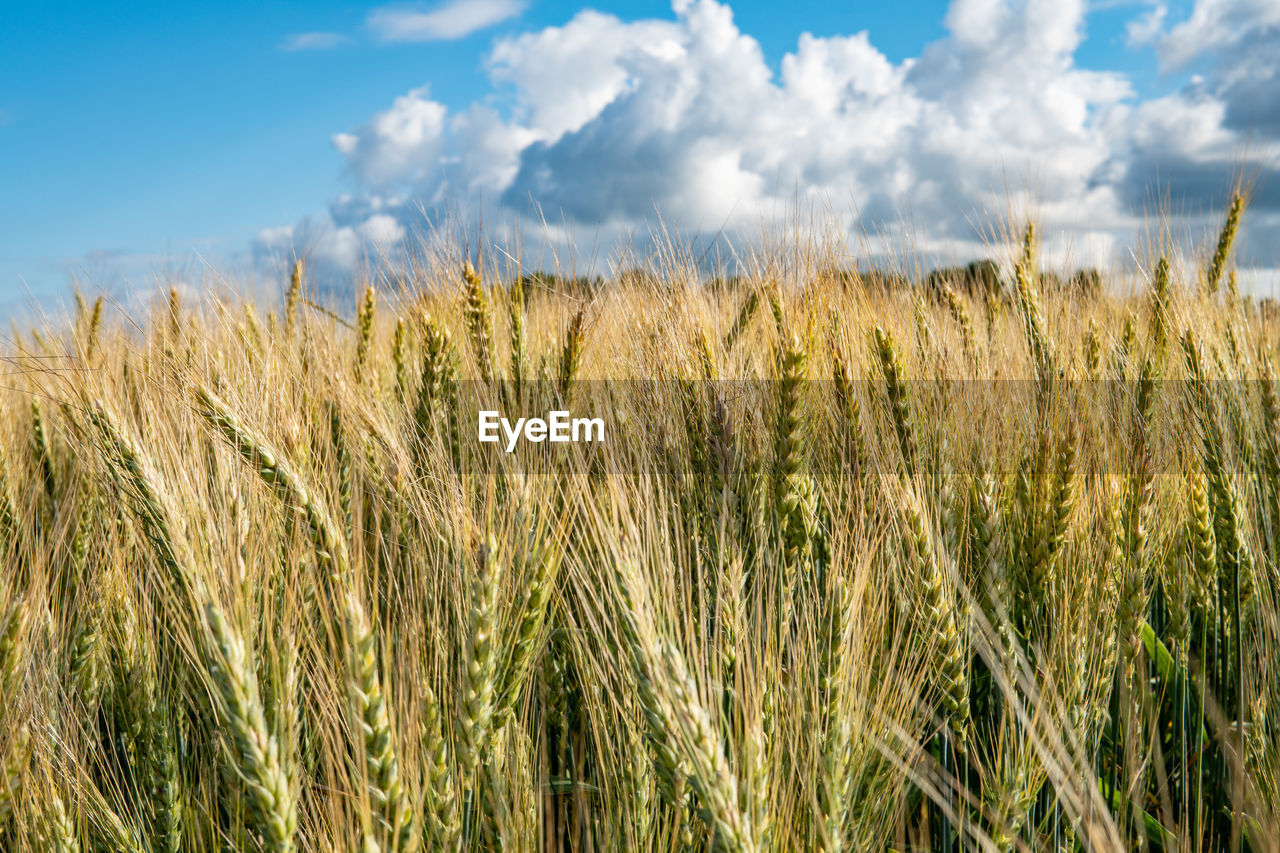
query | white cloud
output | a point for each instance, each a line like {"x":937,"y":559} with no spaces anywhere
{"x":1236,"y":42}
{"x":450,"y":20}
{"x":381,"y":230}
{"x":278,"y":236}
{"x":325,"y":245}
{"x":398,"y":145}
{"x":1143,"y":29}
{"x":566,"y":75}
{"x":686,"y":116}
{"x":312,"y":41}
{"x":601,"y":121}
{"x":1215,"y":25}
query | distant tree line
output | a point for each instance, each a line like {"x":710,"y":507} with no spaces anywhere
{"x":978,"y":279}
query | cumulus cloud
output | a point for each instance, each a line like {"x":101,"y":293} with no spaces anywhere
{"x":399,"y":145}
{"x":381,"y":230}
{"x":319,"y":240}
{"x":605,"y":121}
{"x":1224,"y":124}
{"x":1144,"y":28}
{"x":451,"y":20}
{"x":312,"y":41}
{"x":1214,"y":27}
{"x":1235,"y":42}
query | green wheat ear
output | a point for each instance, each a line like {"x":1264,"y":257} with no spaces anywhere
{"x":481,"y":687}
{"x":479,"y":320}
{"x":945,"y":615}
{"x":571,"y":355}
{"x":399,"y":344}
{"x":258,"y":752}
{"x":292,"y":297}
{"x":95,"y":326}
{"x":440,"y":807}
{"x":746,"y":313}
{"x":1160,"y":296}
{"x":1027,"y":279}
{"x":367,"y":315}
{"x":896,"y":391}
{"x":1213,"y":276}
{"x":961,"y":315}
{"x":43,"y":450}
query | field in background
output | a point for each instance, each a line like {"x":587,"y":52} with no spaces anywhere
{"x":985,"y":564}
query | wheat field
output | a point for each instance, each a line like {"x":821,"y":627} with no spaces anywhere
{"x":987,"y":562}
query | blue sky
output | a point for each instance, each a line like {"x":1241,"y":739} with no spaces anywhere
{"x":133,"y":136}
